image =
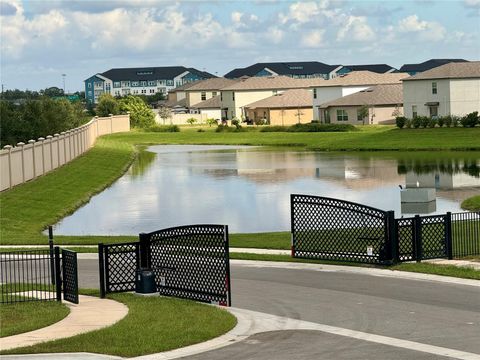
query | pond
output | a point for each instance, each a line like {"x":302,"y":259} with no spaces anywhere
{"x":248,"y":188}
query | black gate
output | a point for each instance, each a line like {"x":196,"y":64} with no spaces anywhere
{"x":332,"y":229}
{"x":70,"y":276}
{"x":188,"y":261}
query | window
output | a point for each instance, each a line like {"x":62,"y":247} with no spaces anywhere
{"x":107,"y":87}
{"x":143,"y":83}
{"x":116,"y":84}
{"x":314,"y":93}
{"x":117,"y":93}
{"x":342,"y":115}
{"x":152,"y":83}
{"x":233,"y":95}
{"x":434,"y":87}
{"x":135,"y":83}
{"x":89,"y":85}
{"x":203,"y":96}
{"x":214,"y":93}
{"x":152,"y":91}
{"x":170,"y":82}
{"x":125,"y":83}
{"x":414,"y":111}
{"x":360,"y":115}
{"x":221,"y":96}
{"x":144,"y":91}
{"x":90,"y":93}
{"x":274,"y":92}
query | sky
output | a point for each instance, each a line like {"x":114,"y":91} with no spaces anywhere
{"x":43,"y":39}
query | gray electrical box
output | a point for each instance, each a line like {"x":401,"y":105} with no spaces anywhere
{"x":145,"y":281}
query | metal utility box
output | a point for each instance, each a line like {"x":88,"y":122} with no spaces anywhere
{"x":145,"y":281}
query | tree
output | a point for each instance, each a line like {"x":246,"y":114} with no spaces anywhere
{"x":107,"y":105}
{"x":164,"y":113}
{"x":140,"y":114}
{"x":52,"y":92}
{"x":363,"y":113}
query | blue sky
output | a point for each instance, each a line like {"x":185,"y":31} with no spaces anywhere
{"x":41,"y":39}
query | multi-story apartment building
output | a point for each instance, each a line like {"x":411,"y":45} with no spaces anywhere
{"x":140,"y":81}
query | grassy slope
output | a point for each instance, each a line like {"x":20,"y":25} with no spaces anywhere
{"x":27,"y":316}
{"x":472,"y":204}
{"x":152,"y":325}
{"x":27,"y":209}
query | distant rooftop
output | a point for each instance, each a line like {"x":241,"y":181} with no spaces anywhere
{"x":273,"y":83}
{"x":458,"y":70}
{"x":211,"y":84}
{"x":284,"y":68}
{"x":427,"y":65}
{"x":385,"y":94}
{"x":151,"y":73}
{"x":377,"y":68}
{"x":363,"y":78}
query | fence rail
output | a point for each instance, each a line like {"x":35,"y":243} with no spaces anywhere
{"x":465,"y":230}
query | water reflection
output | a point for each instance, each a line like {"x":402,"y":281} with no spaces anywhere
{"x":249,"y":188}
{"x":142,"y":162}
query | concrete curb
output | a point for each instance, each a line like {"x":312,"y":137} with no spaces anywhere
{"x":90,"y":314}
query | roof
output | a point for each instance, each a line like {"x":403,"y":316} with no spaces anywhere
{"x":377,"y":68}
{"x":171,"y":104}
{"x":273,"y":83}
{"x":427,"y":65}
{"x":289,"y":99}
{"x":459,"y":70}
{"x":211,"y":84}
{"x":385,"y":94}
{"x":363,"y":78}
{"x":284,"y":68}
{"x":184,"y":86}
{"x":212,"y":103}
{"x":151,"y":73}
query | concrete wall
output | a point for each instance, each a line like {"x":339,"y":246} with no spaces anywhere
{"x":212,"y":113}
{"x":243,"y":98}
{"x":283,"y":117}
{"x":464,"y":96}
{"x":419,"y":92}
{"x":25,"y":162}
{"x":195,"y":97}
{"x":181,"y":119}
{"x":329,"y":93}
{"x":377,"y":115}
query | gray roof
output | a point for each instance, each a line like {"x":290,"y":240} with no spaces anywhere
{"x":211,"y":84}
{"x":151,"y":73}
{"x":289,"y":99}
{"x":385,"y":94}
{"x":454,"y":70}
{"x":212,"y":103}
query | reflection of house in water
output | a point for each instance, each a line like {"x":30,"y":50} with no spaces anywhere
{"x":441,"y":180}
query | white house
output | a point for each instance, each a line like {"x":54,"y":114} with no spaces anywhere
{"x":450,"y":89}
{"x":347,"y":84}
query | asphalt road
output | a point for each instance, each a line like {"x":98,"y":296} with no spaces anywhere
{"x":445,"y":315}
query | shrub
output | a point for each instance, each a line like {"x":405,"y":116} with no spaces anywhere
{"x":191,"y":120}
{"x":236,"y":123}
{"x":211,"y":122}
{"x":163,"y":128}
{"x":416,"y":122}
{"x":400,"y":121}
{"x":107,"y":105}
{"x":448,"y":120}
{"x":260,"y":121}
{"x":470,"y":120}
{"x":424,"y":121}
{"x":408,"y":123}
{"x":140,"y":114}
{"x":441,"y":121}
{"x":200,"y":130}
{"x":274,"y":128}
{"x":321,"y":128}
{"x":432,"y":122}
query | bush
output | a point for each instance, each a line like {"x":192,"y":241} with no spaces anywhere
{"x":200,"y":130}
{"x":416,"y":122}
{"x":424,"y":121}
{"x":470,"y":120}
{"x":432,"y":122}
{"x":107,"y":105}
{"x":140,"y":114}
{"x":408,"y":123}
{"x":441,"y":121}
{"x":400,"y":121}
{"x":448,"y":120}
{"x":211,"y":122}
{"x":191,"y":120}
{"x":236,"y":123}
{"x":274,"y":128}
{"x":163,"y":128}
{"x":226,"y":128}
{"x":313,"y":127}
{"x":260,"y":121}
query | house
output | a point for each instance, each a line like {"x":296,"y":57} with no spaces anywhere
{"x":286,"y":108}
{"x":382,"y":103}
{"x":450,"y":89}
{"x":211,"y":108}
{"x":305,"y":69}
{"x":205,"y":89}
{"x":246,"y":91}
{"x":413,"y":69}
{"x":347,"y":84}
{"x":140,"y":81}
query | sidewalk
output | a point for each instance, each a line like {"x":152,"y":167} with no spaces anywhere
{"x":90,"y":314}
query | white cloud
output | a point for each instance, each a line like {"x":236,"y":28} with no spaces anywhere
{"x":426,"y":30}
{"x":300,"y":12}
{"x":472,"y":3}
{"x":356,"y":28}
{"x":275,"y":35}
{"x":313,"y":38}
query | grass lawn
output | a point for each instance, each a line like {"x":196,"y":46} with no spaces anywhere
{"x":472,"y":204}
{"x":153,"y":324}
{"x":428,"y":268}
{"x":27,"y":316}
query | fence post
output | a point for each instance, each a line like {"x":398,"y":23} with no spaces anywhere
{"x":22,"y":145}
{"x":58,"y":277}
{"x":227,"y":260}
{"x":292,"y":228}
{"x":9,"y":148}
{"x":101,"y":266}
{"x":392,"y":243}
{"x":144,"y":250}
{"x":52,"y":258}
{"x":417,"y":228}
{"x":449,"y":235}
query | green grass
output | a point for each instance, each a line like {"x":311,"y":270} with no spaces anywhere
{"x":153,"y":324}
{"x":28,"y":209}
{"x":445,"y":270}
{"x":472,"y":203}
{"x":27,"y":316}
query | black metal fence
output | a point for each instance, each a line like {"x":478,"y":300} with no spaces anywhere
{"x":35,"y":275}
{"x":333,"y":229}
{"x":188,"y":262}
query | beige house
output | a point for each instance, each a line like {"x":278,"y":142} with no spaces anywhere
{"x":206,"y":89}
{"x":286,"y":108}
{"x":211,"y":108}
{"x":450,"y":89}
{"x":235,"y":97}
{"x":383,"y":102}
{"x":347,"y":84}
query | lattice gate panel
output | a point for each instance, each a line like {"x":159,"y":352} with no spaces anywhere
{"x":333,"y":229}
{"x":433,"y":235}
{"x":406,"y":238}
{"x":121,"y":263}
{"x":192,"y":262}
{"x":70,"y":276}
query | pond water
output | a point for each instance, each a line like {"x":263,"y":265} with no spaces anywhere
{"x":248,"y":188}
